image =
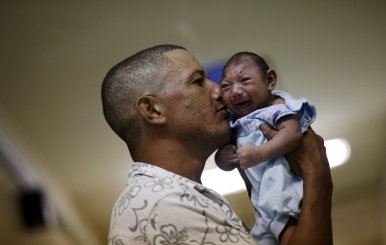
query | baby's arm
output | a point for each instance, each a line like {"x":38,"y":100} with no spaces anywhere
{"x":288,"y":137}
{"x":226,"y":157}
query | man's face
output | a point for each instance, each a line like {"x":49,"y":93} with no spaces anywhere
{"x":194,"y":106}
{"x":243,"y":88}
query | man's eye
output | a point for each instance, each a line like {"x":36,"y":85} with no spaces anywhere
{"x":199,"y":81}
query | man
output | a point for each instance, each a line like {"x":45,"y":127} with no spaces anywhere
{"x":161,"y":103}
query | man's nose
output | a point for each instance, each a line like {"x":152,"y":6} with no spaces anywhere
{"x":216,"y":94}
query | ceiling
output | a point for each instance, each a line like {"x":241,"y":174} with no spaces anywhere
{"x":54,"y":56}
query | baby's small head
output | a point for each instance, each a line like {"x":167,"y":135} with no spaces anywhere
{"x":247,"y":82}
{"x":247,"y":57}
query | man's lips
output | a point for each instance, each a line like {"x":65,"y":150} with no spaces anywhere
{"x":222,"y":109}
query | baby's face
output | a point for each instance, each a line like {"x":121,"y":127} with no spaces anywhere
{"x":244,"y":89}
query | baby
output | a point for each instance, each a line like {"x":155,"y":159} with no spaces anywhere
{"x":276,"y":192}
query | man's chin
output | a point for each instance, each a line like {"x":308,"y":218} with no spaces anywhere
{"x":226,"y":137}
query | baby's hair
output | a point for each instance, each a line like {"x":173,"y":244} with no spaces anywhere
{"x":240,"y":56}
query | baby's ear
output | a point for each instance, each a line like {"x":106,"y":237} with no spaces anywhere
{"x":271,"y":79}
{"x":151,"y":109}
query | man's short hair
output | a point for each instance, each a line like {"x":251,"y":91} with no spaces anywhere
{"x":139,"y":74}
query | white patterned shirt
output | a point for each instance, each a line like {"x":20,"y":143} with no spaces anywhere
{"x":160,"y":207}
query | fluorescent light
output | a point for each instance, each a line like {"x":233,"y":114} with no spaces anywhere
{"x":224,"y":182}
{"x":338,"y":151}
{"x":228,"y":182}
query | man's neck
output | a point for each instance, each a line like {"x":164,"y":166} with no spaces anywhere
{"x":173,"y":157}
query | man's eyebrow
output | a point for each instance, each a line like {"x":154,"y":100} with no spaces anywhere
{"x":200,"y":72}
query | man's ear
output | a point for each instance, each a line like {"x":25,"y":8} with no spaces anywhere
{"x":151,"y":110}
{"x":271,"y":79}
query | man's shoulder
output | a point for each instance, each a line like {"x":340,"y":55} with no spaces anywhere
{"x":142,"y":194}
{"x":153,"y":188}
{"x":147,"y":179}
{"x":154,"y":206}
{"x":144,"y":191}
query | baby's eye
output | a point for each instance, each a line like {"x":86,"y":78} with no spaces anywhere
{"x":224,"y":86}
{"x":244,"y":79}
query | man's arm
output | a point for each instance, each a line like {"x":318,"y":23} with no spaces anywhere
{"x":314,"y":225}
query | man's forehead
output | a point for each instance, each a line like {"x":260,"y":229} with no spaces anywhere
{"x":183,"y":66}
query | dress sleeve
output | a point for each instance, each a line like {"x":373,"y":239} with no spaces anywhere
{"x":273,"y":113}
{"x":191,"y":219}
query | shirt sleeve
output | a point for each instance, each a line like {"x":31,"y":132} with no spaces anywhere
{"x":272,"y":114}
{"x":190,"y":219}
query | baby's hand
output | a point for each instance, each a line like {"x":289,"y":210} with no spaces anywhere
{"x":226,"y":157}
{"x":249,"y":156}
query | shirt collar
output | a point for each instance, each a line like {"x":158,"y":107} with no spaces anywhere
{"x":140,"y":168}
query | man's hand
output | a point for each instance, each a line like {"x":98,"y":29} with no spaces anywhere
{"x":310,"y":151}
{"x":314,"y":225}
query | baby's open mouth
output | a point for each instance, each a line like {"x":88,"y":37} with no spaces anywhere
{"x":243,"y":103}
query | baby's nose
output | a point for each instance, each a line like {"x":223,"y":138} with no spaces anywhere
{"x":236,"y":90}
